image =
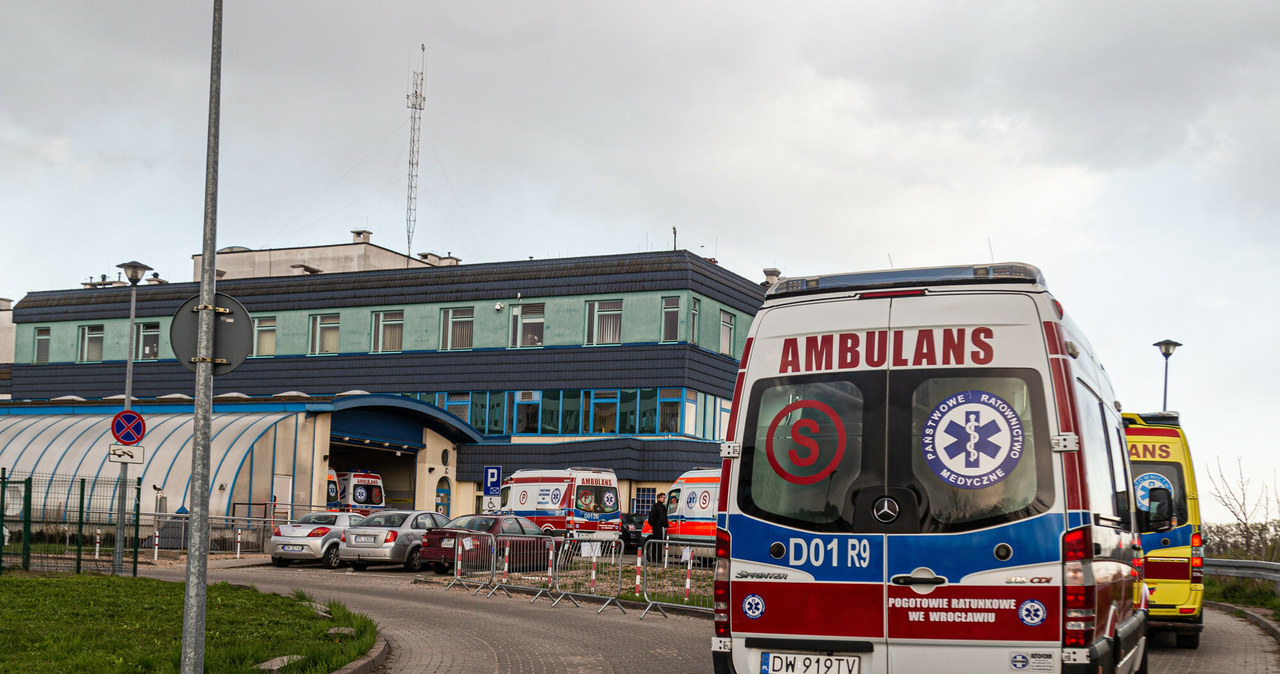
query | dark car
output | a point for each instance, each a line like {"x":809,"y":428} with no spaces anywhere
{"x":632,"y":539}
{"x":527,"y":544}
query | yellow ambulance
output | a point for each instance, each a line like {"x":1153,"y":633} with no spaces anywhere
{"x":1174,"y":562}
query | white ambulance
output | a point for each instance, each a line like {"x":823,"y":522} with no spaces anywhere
{"x":578,"y":502}
{"x":360,"y":491}
{"x":691,"y":507}
{"x":926,"y":470}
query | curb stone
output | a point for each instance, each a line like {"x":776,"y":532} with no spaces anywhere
{"x":1251,"y":615}
{"x":369,"y":661}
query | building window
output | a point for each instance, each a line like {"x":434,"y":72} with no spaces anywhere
{"x":648,"y":411}
{"x":571,"y":413}
{"x":604,"y":322}
{"x":264,"y":336}
{"x":694,"y":305}
{"x":526,"y":324}
{"x":670,"y":319}
{"x":527,"y":411}
{"x":457,"y":330}
{"x":388,"y":331}
{"x":726,"y":333}
{"x":669,"y":410}
{"x":90,"y":344}
{"x":324,"y":334}
{"x":645,"y":496}
{"x":604,"y":411}
{"x":458,"y":404}
{"x":146,"y":343}
{"x":42,"y":345}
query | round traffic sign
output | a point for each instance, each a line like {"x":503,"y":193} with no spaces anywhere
{"x":128,"y":427}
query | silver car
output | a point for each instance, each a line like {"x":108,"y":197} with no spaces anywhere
{"x":314,"y":536}
{"x":388,"y":537}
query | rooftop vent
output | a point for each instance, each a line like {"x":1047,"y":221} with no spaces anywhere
{"x":360,"y":235}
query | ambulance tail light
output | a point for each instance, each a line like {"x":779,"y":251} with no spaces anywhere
{"x":318,"y":532}
{"x":720,"y":585}
{"x":1197,"y":558}
{"x":391,"y":536}
{"x":1078,"y":591}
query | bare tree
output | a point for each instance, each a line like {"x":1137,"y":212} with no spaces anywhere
{"x":1236,"y":495}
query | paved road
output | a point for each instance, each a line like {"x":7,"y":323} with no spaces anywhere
{"x":433,"y":630}
{"x":1228,"y":645}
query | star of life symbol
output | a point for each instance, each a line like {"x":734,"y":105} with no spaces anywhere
{"x":753,"y":606}
{"x":1031,"y":613}
{"x":360,"y":494}
{"x":692,"y":500}
{"x":973,"y":439}
{"x":1144,"y":483}
{"x":609,"y":499}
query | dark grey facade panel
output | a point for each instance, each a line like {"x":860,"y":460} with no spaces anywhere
{"x":630,"y":458}
{"x":639,"y":272}
{"x":645,"y":366}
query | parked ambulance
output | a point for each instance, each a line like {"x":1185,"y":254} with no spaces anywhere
{"x":578,"y":502}
{"x":360,"y":491}
{"x":331,"y":491}
{"x":691,"y":507}
{"x":1160,"y":457}
{"x":925,"y":471}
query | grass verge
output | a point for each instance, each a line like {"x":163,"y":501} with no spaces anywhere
{"x":1243,"y":592}
{"x":96,"y":623}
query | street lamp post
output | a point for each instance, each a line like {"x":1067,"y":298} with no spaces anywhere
{"x":134,"y":271}
{"x":1166,"y":349}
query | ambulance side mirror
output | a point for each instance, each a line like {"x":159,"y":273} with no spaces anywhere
{"x":1159,"y":513}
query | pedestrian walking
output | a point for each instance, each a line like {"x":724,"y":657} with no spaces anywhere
{"x":657,"y":525}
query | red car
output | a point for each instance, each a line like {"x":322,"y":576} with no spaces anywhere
{"x":521,"y":541}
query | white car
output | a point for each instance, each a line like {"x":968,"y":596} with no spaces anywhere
{"x":315,"y":536}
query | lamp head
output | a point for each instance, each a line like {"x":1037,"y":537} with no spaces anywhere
{"x":134,"y":271}
{"x":1166,"y":347}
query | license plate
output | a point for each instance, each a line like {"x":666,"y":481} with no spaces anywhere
{"x":292,"y":548}
{"x":366,"y":539}
{"x":804,"y":663}
{"x":447,"y":543}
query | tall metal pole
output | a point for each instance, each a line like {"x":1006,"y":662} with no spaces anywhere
{"x":117,"y":558}
{"x":193,"y":609}
{"x":1164,"y":404}
{"x":1166,"y":347}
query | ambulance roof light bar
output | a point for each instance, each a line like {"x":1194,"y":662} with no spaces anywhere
{"x":1157,"y":419}
{"x":1009,"y":272}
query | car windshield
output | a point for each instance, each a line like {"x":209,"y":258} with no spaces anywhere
{"x":471,"y":523}
{"x":632,"y":518}
{"x":386,"y":520}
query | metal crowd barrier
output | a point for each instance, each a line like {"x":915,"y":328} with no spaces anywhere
{"x":473,"y":560}
{"x":679,"y":574}
{"x":590,"y":568}
{"x":525,"y":563}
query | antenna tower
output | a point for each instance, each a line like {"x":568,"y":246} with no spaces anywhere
{"x":415,"y":103}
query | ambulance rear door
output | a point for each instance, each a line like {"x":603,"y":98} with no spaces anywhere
{"x":965,"y":494}
{"x":807,"y":581}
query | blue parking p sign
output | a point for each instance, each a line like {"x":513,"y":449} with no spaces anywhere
{"x":492,"y":480}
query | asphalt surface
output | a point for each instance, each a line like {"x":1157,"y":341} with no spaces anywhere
{"x":430,"y":629}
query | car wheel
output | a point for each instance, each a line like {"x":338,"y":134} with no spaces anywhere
{"x":413,"y":563}
{"x":330,"y":559}
{"x":359,"y":566}
{"x":280,"y":562}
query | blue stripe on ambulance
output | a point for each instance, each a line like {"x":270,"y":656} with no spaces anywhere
{"x":1178,"y":538}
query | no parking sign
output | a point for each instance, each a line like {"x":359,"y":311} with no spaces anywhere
{"x":128,"y":427}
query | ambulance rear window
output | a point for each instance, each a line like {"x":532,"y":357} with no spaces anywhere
{"x":1148,"y":474}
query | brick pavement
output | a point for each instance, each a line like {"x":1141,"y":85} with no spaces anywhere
{"x":1228,"y":645}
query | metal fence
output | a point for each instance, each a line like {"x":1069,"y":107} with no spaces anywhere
{"x":60,"y":523}
{"x":474,"y":555}
{"x":590,"y":568}
{"x":525,"y":563}
{"x":677,"y":574}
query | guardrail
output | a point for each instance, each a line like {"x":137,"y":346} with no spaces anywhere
{"x":1245,"y":568}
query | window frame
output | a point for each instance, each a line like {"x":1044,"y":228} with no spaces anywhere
{"x":595,"y":313}
{"x":319,"y":327}
{"x":45,"y":340}
{"x":449,"y":319}
{"x":141,"y":331}
{"x":727,"y":338}
{"x":260,"y":329}
{"x":89,"y":334}
{"x":695,"y":305}
{"x":520,"y":318}
{"x":380,"y":320}
{"x":669,"y":325}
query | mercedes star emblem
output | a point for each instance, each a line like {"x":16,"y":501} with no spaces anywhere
{"x":886,"y":510}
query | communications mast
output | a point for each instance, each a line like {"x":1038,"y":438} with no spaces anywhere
{"x":416,"y":101}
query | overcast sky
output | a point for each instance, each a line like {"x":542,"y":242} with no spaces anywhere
{"x":1130,"y":150}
